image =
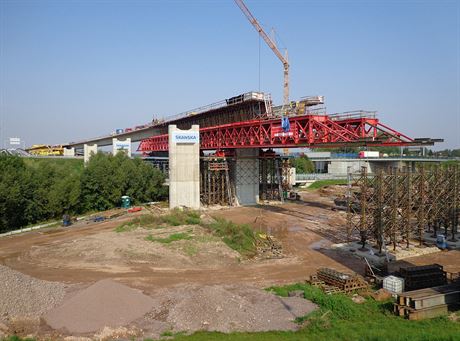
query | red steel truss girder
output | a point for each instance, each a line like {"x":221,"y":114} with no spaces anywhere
{"x":309,"y":130}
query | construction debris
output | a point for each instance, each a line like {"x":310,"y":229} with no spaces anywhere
{"x":332,"y":281}
{"x":269,"y":247}
{"x":428,"y":302}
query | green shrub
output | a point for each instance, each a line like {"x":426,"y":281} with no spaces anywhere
{"x":238,"y":237}
{"x":148,"y":220}
{"x":182,"y":217}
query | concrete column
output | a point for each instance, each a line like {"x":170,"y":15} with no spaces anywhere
{"x":184,"y":167}
{"x":88,"y":150}
{"x":69,"y":151}
{"x":121,"y":146}
{"x":247,"y":176}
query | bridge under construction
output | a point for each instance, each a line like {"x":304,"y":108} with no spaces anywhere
{"x":242,"y":131}
{"x":230,"y":158}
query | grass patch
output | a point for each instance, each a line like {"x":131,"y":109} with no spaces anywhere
{"x":171,"y":238}
{"x":147,"y":221}
{"x":238,"y":237}
{"x":126,"y":227}
{"x":323,"y":183}
{"x":181,"y":217}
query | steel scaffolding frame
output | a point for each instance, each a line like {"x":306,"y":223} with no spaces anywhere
{"x":396,"y":206}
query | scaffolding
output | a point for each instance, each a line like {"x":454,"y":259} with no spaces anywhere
{"x":393,"y":207}
{"x":215,"y":185}
{"x":218,"y":178}
{"x":270,"y":180}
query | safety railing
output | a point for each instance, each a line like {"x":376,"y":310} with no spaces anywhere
{"x":217,"y":105}
{"x":319,"y":176}
{"x":353,"y":115}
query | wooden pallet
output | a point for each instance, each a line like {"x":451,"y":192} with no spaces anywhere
{"x":345,"y":282}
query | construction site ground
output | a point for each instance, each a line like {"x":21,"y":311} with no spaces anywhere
{"x":79,"y":256}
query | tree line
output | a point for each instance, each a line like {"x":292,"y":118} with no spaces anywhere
{"x":32,"y":191}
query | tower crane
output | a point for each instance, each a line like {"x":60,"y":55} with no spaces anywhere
{"x":272,"y":45}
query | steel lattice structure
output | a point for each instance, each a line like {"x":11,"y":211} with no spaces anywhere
{"x":401,"y":205}
{"x":308,"y":130}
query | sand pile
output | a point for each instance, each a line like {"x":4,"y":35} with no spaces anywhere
{"x":104,"y":304}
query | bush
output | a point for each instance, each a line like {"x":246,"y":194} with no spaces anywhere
{"x":240,"y":238}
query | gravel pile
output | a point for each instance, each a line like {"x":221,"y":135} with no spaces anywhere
{"x":233,"y":308}
{"x":22,"y":296}
{"x":189,"y":308}
{"x":104,"y":304}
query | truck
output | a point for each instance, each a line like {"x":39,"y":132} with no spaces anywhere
{"x":368,"y":154}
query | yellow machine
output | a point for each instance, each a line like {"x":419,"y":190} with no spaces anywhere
{"x":46,"y":150}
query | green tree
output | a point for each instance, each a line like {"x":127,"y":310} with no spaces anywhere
{"x":36,"y":190}
{"x":14,"y":177}
{"x":106,"y":178}
{"x":303,"y":165}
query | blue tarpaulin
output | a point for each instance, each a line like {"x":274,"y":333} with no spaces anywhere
{"x":285,"y":124}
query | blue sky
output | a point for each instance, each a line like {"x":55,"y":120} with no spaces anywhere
{"x":76,"y":69}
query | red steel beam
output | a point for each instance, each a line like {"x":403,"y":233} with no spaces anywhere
{"x":305,"y":131}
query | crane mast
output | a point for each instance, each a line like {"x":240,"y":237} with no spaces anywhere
{"x":272,"y":45}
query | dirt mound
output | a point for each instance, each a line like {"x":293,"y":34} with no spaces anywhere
{"x":232,"y":308}
{"x":105,"y":303}
{"x":121,"y":252}
{"x":22,"y":296}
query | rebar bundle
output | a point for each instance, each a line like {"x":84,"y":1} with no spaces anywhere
{"x":396,"y":206}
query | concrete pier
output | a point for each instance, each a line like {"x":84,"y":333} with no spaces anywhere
{"x":121,"y":145}
{"x":247,"y":176}
{"x":69,"y":151}
{"x":184,"y":167}
{"x":88,"y":150}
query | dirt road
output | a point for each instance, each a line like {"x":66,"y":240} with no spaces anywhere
{"x":292,"y":223}
{"x":305,"y":228}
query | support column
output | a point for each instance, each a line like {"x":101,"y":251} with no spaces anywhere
{"x":88,"y":150}
{"x":247,"y":176}
{"x":69,"y":151}
{"x":184,"y":167}
{"x":121,"y":146}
